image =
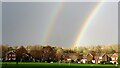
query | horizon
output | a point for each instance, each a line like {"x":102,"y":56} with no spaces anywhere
{"x":59,"y":46}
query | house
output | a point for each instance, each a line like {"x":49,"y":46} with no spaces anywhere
{"x":90,"y":58}
{"x":75,"y":57}
{"x":11,"y":56}
{"x":26,"y":57}
{"x":114,"y":58}
{"x":66,"y":57}
{"x":104,"y":58}
{"x":84,"y":59}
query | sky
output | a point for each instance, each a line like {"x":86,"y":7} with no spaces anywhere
{"x":58,"y":23}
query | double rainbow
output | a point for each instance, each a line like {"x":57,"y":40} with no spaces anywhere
{"x":52,"y":20}
{"x":86,"y":24}
{"x":55,"y":14}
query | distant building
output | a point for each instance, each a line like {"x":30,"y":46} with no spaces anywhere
{"x":89,"y":57}
{"x":26,"y":57}
{"x":104,"y":58}
{"x":114,"y":58}
{"x":11,"y":56}
{"x":75,"y":57}
{"x":84,"y":59}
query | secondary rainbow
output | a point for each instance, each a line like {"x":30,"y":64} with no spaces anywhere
{"x":86,"y":24}
{"x":51,"y":22}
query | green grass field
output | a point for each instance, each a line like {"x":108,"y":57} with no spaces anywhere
{"x":38,"y":64}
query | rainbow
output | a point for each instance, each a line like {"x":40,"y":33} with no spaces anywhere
{"x":52,"y":21}
{"x":86,"y":24}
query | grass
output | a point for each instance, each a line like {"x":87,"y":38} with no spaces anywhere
{"x":48,"y":65}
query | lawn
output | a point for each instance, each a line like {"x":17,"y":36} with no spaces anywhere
{"x":48,"y":65}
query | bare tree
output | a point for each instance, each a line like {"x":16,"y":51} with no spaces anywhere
{"x":36,"y":52}
{"x":59,"y":54}
{"x":19,"y":52}
{"x":4,"y":50}
{"x":48,"y":53}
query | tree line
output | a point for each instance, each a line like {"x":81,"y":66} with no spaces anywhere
{"x":49,"y":53}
